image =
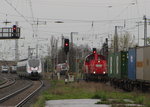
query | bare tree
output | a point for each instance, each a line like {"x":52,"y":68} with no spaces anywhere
{"x":125,"y":41}
{"x":53,"y":52}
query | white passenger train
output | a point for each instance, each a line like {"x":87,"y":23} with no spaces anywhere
{"x":13,"y":69}
{"x":4,"y":69}
{"x":29,"y":68}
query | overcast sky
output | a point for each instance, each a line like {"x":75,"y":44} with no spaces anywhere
{"x":94,"y":20}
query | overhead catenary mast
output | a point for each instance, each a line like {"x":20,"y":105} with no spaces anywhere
{"x":16,"y":48}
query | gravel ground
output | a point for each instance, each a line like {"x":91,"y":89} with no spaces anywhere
{"x":17,"y":98}
{"x":34,"y":98}
{"x":19,"y":84}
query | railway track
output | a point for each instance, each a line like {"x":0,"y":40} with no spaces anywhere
{"x":3,"y":80}
{"x":8,"y":82}
{"x":21,"y":96}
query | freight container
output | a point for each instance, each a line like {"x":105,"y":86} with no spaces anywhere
{"x":111,"y":65}
{"x":117,"y":72}
{"x":139,"y":63}
{"x":121,"y":65}
{"x":146,"y":66}
{"x":132,"y":64}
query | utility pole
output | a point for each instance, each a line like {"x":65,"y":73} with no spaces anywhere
{"x":49,"y":49}
{"x":72,"y":57}
{"x":53,"y":42}
{"x":62,"y":40}
{"x":71,"y":34}
{"x":37,"y":23}
{"x":145,"y":30}
{"x":16,"y":51}
{"x":16,"y":48}
{"x":37,"y":53}
{"x":56,"y":51}
{"x":116,"y":48}
{"x":116,"y":40}
{"x":72,"y":54}
{"x":29,"y":52}
{"x":138,"y":24}
{"x":138,"y":32}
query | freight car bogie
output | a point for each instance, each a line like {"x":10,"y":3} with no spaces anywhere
{"x":143,"y":85}
{"x":124,"y":84}
{"x":96,"y":77}
{"x":130,"y":85}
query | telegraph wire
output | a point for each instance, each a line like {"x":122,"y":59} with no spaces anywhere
{"x":85,"y":4}
{"x":31,"y":8}
{"x":29,"y":19}
{"x":17,"y":11}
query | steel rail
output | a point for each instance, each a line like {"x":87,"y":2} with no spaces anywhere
{"x":14,"y":93}
{"x":5,"y":80}
{"x":20,"y":104}
{"x":8,"y":83}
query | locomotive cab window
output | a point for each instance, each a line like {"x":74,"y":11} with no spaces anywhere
{"x":101,"y":57}
{"x":89,"y":58}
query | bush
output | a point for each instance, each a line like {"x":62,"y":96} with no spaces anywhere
{"x":139,"y":100}
{"x":100,"y":95}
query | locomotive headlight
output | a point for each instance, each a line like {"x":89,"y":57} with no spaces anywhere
{"x":33,"y":69}
{"x":94,"y":72}
{"x":104,"y":72}
{"x":36,"y":68}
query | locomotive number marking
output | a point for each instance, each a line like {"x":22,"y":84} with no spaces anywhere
{"x":98,"y":65}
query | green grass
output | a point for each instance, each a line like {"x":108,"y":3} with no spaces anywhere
{"x":60,"y":90}
{"x":115,"y":101}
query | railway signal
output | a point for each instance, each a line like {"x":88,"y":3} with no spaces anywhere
{"x":94,"y":50}
{"x":66,"y":46}
{"x":10,"y":32}
{"x":14,"y":29}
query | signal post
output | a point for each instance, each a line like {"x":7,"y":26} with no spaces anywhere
{"x":66,"y":50}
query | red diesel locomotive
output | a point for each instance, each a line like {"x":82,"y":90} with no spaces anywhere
{"x":95,"y":67}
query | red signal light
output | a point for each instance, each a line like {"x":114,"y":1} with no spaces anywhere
{"x":14,"y":28}
{"x":94,"y":50}
{"x":66,"y":44}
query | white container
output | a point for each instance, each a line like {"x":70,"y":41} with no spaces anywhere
{"x":139,"y":63}
{"x":146,"y":56}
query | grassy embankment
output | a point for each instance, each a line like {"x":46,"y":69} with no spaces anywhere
{"x":83,"y":90}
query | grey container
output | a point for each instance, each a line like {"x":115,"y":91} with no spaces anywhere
{"x":139,"y":63}
{"x":146,"y":66}
{"x":132,"y":64}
